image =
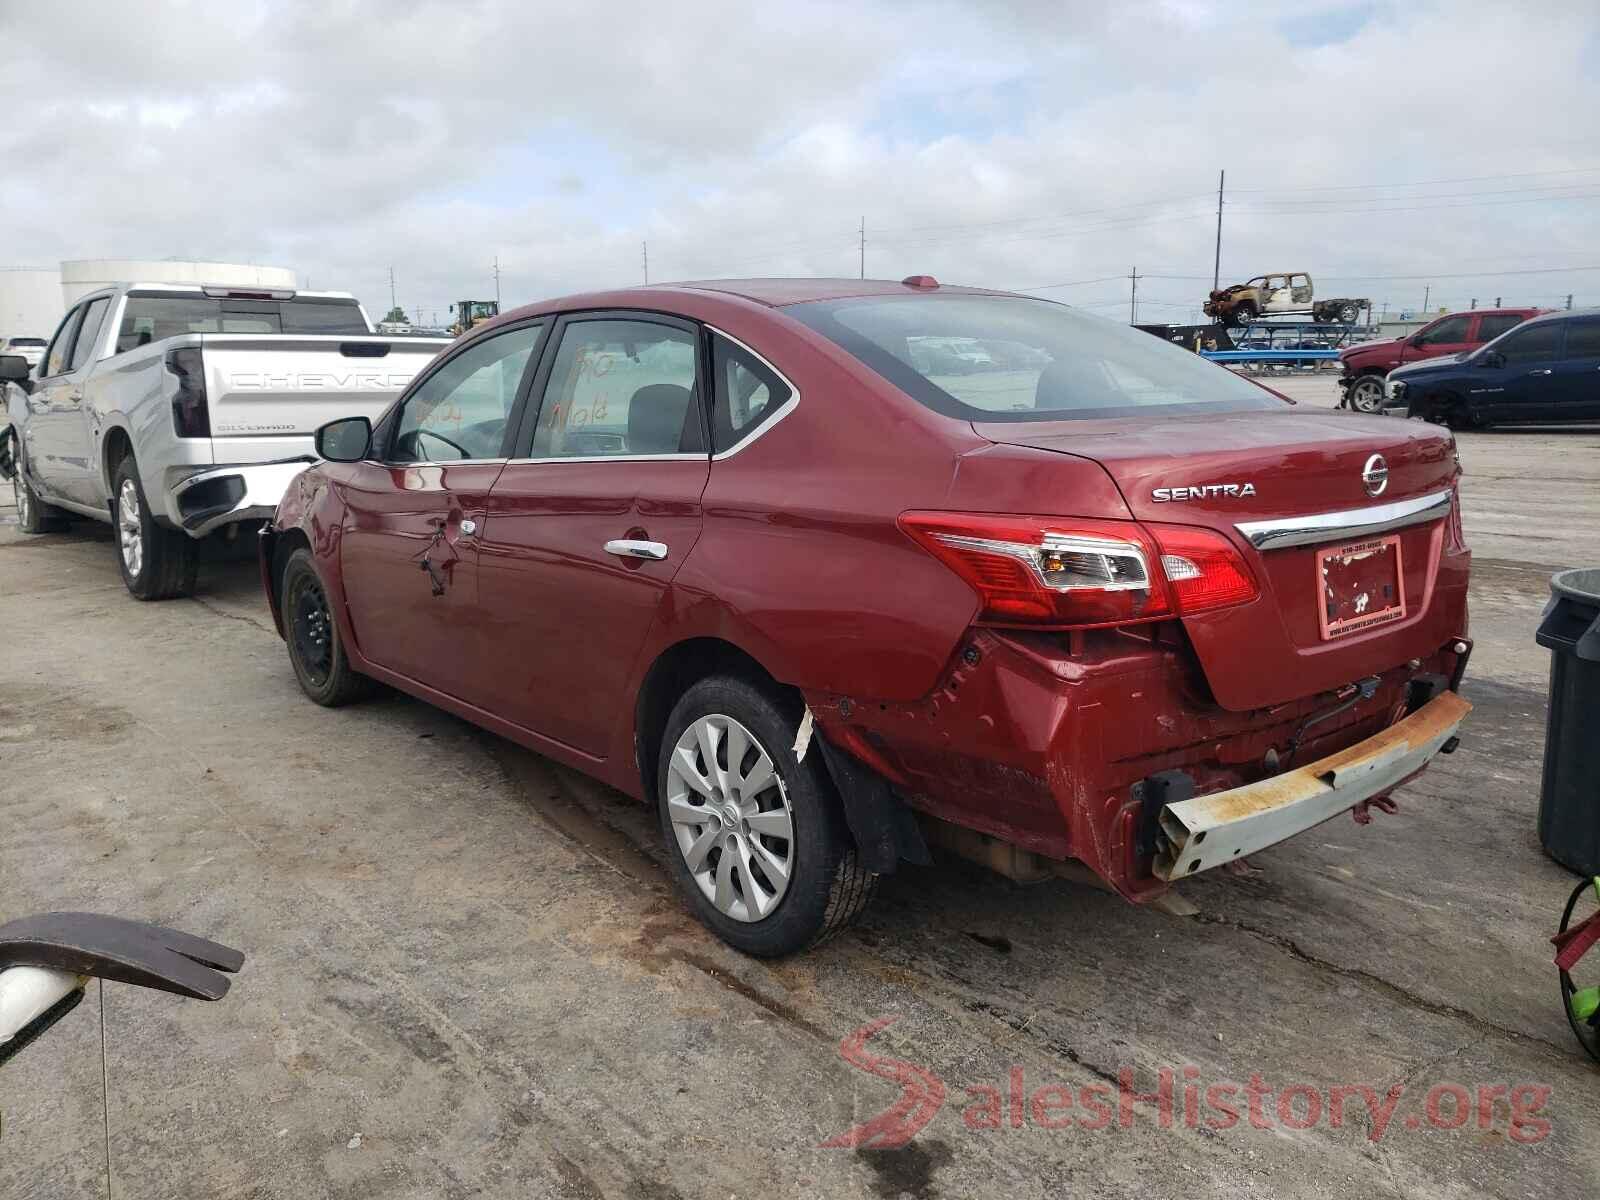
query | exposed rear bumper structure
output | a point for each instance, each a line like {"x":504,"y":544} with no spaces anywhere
{"x":1207,"y":831}
{"x":221,"y":496}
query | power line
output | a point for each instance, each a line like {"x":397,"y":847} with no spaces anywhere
{"x":1338,"y":187}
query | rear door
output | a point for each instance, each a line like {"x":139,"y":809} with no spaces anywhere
{"x":592,"y":518}
{"x":409,"y":551}
{"x":1578,"y":373}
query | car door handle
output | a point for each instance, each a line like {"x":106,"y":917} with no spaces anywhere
{"x":1540,"y":371}
{"x":631,"y":548}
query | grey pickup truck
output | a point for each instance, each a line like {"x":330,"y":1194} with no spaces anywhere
{"x":176,"y":413}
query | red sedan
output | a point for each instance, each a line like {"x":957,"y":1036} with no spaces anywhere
{"x":830,"y":570}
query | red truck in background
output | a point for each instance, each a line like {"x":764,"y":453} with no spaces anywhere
{"x":1363,"y":367}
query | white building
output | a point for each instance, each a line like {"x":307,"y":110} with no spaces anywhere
{"x":32,"y":300}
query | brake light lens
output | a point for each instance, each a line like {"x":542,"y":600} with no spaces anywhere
{"x":191,"y":417}
{"x":1082,"y":572}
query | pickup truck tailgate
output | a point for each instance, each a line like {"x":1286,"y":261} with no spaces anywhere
{"x":267,"y":393}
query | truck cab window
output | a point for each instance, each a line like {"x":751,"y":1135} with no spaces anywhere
{"x":1539,"y":343}
{"x":56,"y":359}
{"x":94,"y":316}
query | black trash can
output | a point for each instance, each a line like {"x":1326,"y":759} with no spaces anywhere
{"x":1569,"y":798}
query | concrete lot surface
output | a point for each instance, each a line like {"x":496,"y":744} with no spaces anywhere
{"x":468,"y":974}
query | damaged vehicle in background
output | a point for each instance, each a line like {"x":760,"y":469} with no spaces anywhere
{"x":1362,"y":367}
{"x":748,"y":551}
{"x":175,"y":412}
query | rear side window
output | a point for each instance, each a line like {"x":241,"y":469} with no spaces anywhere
{"x":1583,"y":339}
{"x":89,"y":332}
{"x":1010,"y":358}
{"x":1537,"y":343}
{"x":148,"y":318}
{"x":748,"y":394}
{"x":26,"y":341}
{"x":1494,"y":325}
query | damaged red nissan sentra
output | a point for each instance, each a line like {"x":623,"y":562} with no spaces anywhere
{"x":830,"y":570}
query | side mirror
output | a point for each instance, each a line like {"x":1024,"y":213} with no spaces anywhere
{"x":1492,"y":358}
{"x":348,"y":439}
{"x":1416,"y":340}
{"x":15,"y":369}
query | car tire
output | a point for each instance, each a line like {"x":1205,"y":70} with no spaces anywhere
{"x":1241,"y":317}
{"x":1349,"y":313}
{"x":316,"y":651}
{"x":1366,"y":394}
{"x":33,"y":514}
{"x":157,"y":562}
{"x":762,"y":893}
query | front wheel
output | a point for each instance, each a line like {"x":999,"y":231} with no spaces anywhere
{"x":1366,"y":394}
{"x":1348,"y":313}
{"x":33,"y":514}
{"x":1241,"y":316}
{"x":756,"y":837}
{"x":157,"y":562}
{"x":315,"y":649}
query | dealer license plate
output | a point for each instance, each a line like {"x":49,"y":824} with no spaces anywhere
{"x":1361,"y":584}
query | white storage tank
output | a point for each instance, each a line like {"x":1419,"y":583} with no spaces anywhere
{"x":30,"y":301}
{"x":86,"y":274}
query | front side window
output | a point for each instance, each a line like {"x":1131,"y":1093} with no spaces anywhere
{"x":56,"y":359}
{"x":1447,"y":332}
{"x":152,"y":318}
{"x":1493,"y":326}
{"x":748,"y":394}
{"x":1011,"y":358}
{"x":460,"y":411}
{"x":1537,"y":343}
{"x":621,"y":388}
{"x":89,"y":332}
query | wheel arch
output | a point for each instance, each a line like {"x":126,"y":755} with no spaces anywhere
{"x":115,"y":445}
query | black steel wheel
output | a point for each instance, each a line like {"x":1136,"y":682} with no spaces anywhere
{"x":315,"y":649}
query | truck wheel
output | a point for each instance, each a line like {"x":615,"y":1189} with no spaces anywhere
{"x":1241,"y":316}
{"x":33,"y":514}
{"x":756,"y":837}
{"x":1366,"y":394}
{"x":157,"y":563}
{"x":315,"y":649}
{"x":1349,"y":312}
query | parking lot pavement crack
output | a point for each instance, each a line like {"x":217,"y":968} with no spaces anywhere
{"x":1289,"y":946}
{"x":240,"y":617}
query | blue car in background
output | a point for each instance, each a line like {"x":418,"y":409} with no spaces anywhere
{"x":1545,"y":371}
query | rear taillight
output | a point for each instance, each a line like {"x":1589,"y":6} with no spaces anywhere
{"x":190,"y":415}
{"x":1454,"y":535}
{"x":1080,"y":572}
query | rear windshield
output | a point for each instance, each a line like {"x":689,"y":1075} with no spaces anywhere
{"x":149,"y":319}
{"x":1010,"y":358}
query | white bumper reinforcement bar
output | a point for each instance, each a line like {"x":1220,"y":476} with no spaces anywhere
{"x":1208,"y":831}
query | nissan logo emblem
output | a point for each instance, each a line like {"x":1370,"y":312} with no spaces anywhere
{"x":1375,"y":475}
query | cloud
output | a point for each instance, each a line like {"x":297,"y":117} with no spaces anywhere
{"x":1001,"y":143}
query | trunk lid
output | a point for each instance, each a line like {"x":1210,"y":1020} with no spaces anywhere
{"x":1224,"y":471}
{"x":268,"y":393}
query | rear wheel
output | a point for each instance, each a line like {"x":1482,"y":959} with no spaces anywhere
{"x":1349,"y":312}
{"x":1242,"y":316}
{"x":315,"y":649}
{"x":1366,"y":394}
{"x":33,"y":514}
{"x":757,"y":839}
{"x":157,"y":562}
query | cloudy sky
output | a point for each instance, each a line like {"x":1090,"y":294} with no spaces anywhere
{"x":1385,"y":147}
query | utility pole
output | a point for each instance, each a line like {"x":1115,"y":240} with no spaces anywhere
{"x":863,"y":247}
{"x":1133,"y":297}
{"x":391,"y":287}
{"x":1497,"y":301}
{"x":1474,"y":302}
{"x":1426,"y":292}
{"x":497,"y":281}
{"x":1216,"y":265}
{"x":644,"y":251}
{"x":1569,"y":300}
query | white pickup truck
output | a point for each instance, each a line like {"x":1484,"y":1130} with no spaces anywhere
{"x":178,"y":412}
